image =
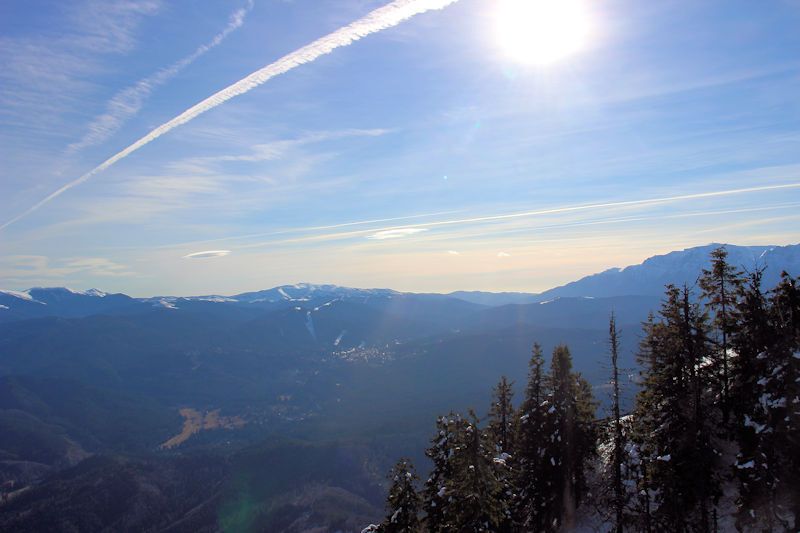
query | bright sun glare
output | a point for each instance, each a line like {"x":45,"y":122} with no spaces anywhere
{"x":542,"y":32}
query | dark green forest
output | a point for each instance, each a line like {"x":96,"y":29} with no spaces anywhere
{"x":711,"y":443}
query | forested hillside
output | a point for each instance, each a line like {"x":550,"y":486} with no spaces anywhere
{"x":710,"y":444}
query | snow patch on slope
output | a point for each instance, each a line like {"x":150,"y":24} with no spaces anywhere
{"x":166,"y":303}
{"x":310,"y":325}
{"x":21,"y":295}
{"x":339,"y":338}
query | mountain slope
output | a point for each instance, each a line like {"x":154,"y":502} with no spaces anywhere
{"x":679,"y":267}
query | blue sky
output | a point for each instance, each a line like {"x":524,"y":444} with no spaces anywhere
{"x":422,"y":157}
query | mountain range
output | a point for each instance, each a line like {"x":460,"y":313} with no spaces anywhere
{"x":284,"y":401}
{"x":645,"y":279}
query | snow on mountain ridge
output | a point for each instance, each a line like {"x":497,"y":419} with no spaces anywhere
{"x":679,"y":267}
{"x":645,"y":278}
{"x":22,"y":295}
{"x":304,"y":292}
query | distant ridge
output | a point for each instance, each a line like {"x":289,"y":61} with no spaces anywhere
{"x":679,"y":267}
{"x":645,"y":279}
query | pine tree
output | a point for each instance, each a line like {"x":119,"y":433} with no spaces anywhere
{"x":750,"y":340}
{"x":501,"y":417}
{"x":645,"y":418}
{"x":500,"y":442}
{"x":480,"y":504}
{"x":702,"y":452}
{"x":403,"y":502}
{"x":571,"y":441}
{"x":720,"y":286}
{"x":619,"y":444}
{"x":781,"y":402}
{"x":673,"y":424}
{"x":436,"y":499}
{"x":586,"y":436}
{"x":533,"y":494}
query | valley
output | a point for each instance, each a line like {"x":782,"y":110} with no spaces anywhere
{"x":292,"y":399}
{"x":195,"y":422}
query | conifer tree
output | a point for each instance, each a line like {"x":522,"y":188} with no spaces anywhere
{"x":674,"y":427}
{"x":618,"y":442}
{"x":571,"y":439}
{"x":533,"y":492}
{"x":500,"y":443}
{"x":781,"y":403}
{"x":586,"y":437}
{"x":702,"y":452}
{"x":720,"y":285}
{"x":750,"y":340}
{"x":645,"y":417}
{"x":403,"y":503}
{"x":481,"y":506}
{"x":660,"y":415}
{"x":500,"y":429}
{"x":436,"y":499}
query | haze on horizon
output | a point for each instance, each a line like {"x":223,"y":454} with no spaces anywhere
{"x":446,"y":152}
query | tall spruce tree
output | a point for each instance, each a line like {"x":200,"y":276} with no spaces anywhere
{"x":702,"y":451}
{"x":618,"y":437}
{"x":571,"y":440}
{"x":500,"y":442}
{"x":751,"y":341}
{"x":403,"y":502}
{"x":645,"y":417}
{"x":720,"y":286}
{"x":533,"y":491}
{"x":481,"y":506}
{"x":500,"y":429}
{"x":674,"y":426}
{"x":437,"y":502}
{"x":781,"y":403}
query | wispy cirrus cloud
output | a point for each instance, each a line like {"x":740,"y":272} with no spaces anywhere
{"x":279,"y":149}
{"x":282,"y":170}
{"x":129,"y":101}
{"x":377,"y":20}
{"x":39,"y":268}
{"x":44,"y":75}
{"x":312,"y":235}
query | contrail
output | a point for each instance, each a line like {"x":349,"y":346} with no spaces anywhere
{"x":526,"y":214}
{"x":382,"y":18}
{"x":128,"y":102}
{"x":626,"y":203}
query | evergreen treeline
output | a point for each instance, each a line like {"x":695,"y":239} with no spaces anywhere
{"x":711,"y":444}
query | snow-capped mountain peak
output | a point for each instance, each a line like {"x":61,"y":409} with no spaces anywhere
{"x":679,"y":267}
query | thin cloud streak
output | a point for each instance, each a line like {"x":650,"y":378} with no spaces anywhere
{"x":278,"y":149}
{"x":527,"y":229}
{"x":395,"y":233}
{"x":207,"y":253}
{"x":129,"y":101}
{"x":526,"y":214}
{"x":380,"y":19}
{"x":627,"y":203}
{"x":308,"y":228}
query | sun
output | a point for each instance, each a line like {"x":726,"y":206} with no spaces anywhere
{"x":542,"y":32}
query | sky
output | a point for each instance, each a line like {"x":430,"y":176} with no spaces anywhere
{"x":426,"y":155}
